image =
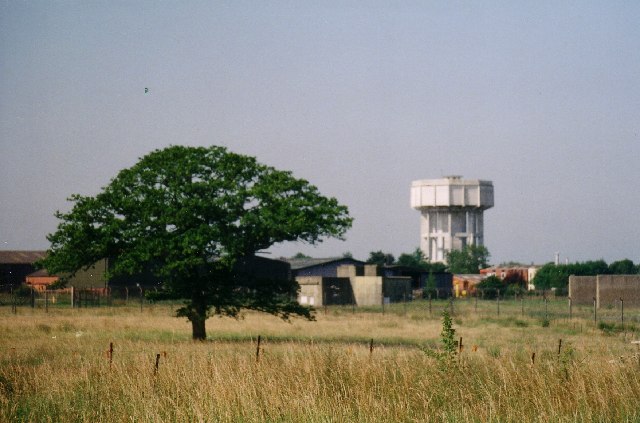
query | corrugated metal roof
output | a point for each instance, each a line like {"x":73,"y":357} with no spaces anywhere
{"x":40,"y":273}
{"x":21,"y":257}
{"x":303,"y":263}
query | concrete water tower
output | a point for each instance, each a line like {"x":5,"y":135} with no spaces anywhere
{"x":452,"y":210}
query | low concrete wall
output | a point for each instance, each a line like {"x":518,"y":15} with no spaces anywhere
{"x":582,"y":289}
{"x":310,"y":290}
{"x":610,"y":288}
{"x":367,"y":290}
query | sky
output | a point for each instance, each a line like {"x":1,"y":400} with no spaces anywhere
{"x":359,"y":98}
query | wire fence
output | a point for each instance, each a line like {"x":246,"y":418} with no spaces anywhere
{"x":542,"y":307}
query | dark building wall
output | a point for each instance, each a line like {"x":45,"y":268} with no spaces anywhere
{"x":16,"y":265}
{"x":337,"y":291}
{"x":15,"y":274}
{"x":397,"y":289}
{"x":444,"y":283}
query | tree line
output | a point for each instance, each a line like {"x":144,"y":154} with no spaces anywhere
{"x":557,"y":275}
{"x":469,"y":260}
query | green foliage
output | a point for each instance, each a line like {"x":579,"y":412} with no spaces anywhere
{"x":23,"y":291}
{"x":514,"y":289}
{"x":301,"y":256}
{"x":448,"y":335}
{"x":417,"y":260}
{"x":446,"y":356}
{"x":557,"y":276}
{"x":610,"y":328}
{"x":469,"y":260}
{"x":623,"y":267}
{"x":430,"y":287}
{"x":191,"y":214}
{"x":490,"y":287}
{"x":380,"y":258}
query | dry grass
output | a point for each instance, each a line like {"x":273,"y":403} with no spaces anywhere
{"x":54,"y":367}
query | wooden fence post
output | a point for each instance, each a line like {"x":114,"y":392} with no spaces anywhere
{"x":258,"y":349}
{"x":371,"y":348}
{"x":110,"y":354}
{"x":622,"y":313}
{"x":559,"y":347}
{"x":155,"y":372}
{"x":595,"y":312}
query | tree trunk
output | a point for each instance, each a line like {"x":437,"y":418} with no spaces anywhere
{"x":199,"y":332}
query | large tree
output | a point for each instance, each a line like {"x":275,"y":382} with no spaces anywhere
{"x":194,"y":216}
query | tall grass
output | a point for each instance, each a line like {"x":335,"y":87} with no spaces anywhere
{"x":55,"y":367}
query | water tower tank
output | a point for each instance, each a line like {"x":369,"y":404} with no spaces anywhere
{"x":452,"y":213}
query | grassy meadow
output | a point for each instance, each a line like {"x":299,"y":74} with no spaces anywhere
{"x":55,"y":366}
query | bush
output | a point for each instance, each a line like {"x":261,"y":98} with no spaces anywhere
{"x":491,"y":286}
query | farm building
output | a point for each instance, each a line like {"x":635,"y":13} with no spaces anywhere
{"x":16,"y":265}
{"x":359,"y":285}
{"x":326,"y":267}
{"x":465,"y":284}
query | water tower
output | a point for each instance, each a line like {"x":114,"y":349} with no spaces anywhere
{"x":452,"y":213}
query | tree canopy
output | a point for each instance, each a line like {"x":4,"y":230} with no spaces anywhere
{"x":469,"y":260}
{"x":557,"y":276}
{"x":380,"y":258}
{"x":193,"y":214}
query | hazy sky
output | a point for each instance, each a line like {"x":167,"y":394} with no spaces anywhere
{"x":360,"y":98}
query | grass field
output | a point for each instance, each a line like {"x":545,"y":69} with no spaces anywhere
{"x":55,"y":366}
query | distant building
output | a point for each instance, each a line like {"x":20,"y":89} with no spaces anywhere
{"x":466,"y":284}
{"x":358,"y":285}
{"x":40,"y":280}
{"x":16,"y":265}
{"x":327,"y":267}
{"x":524,"y":273}
{"x":452,"y":213}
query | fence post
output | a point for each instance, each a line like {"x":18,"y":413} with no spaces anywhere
{"x":595,"y":312}
{"x":14,"y":303}
{"x":371,"y":348}
{"x":559,"y":347}
{"x":622,"y":313}
{"x":155,"y":372}
{"x":258,"y":349}
{"x":110,"y":354}
{"x":72,"y":295}
{"x":140,"y":288}
{"x":33,"y":298}
{"x":546,"y":308}
{"x":570,"y":309}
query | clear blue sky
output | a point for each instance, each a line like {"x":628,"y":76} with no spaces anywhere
{"x":360,"y":98}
